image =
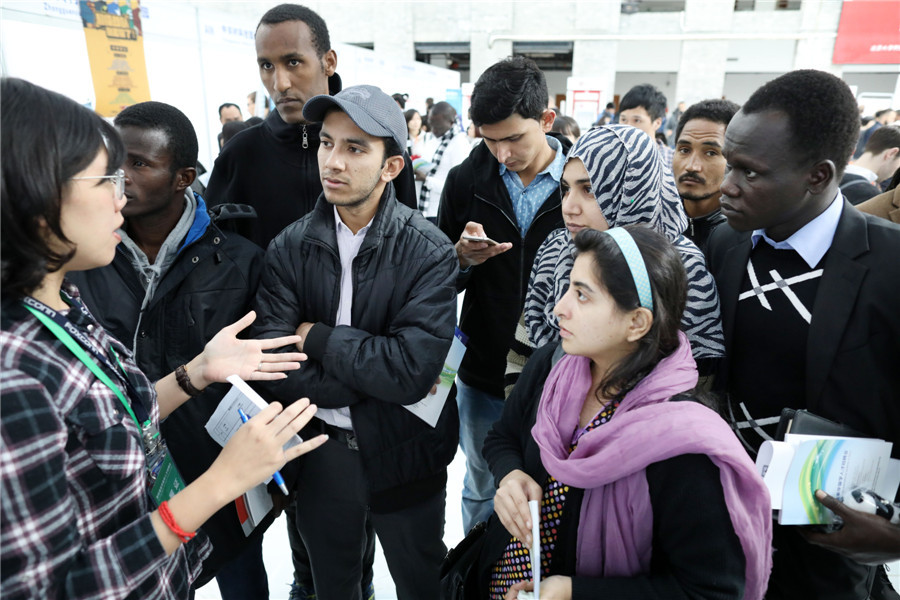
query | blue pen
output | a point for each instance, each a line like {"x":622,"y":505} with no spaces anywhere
{"x":276,"y":476}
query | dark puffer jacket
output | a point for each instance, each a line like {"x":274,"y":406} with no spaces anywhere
{"x":210,"y":285}
{"x":403,"y":316}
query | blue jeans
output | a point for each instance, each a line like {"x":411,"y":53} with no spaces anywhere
{"x":478,"y":411}
{"x":245,"y":575}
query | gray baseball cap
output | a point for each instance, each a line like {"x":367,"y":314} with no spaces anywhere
{"x":372,"y":110}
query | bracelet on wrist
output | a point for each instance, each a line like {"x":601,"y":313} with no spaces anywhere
{"x":169,"y":519}
{"x":184,"y":382}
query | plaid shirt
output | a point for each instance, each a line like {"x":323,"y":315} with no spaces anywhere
{"x":75,"y":518}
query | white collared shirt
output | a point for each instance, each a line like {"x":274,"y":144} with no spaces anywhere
{"x":871,"y":176}
{"x":348,"y":247}
{"x":812,"y":240}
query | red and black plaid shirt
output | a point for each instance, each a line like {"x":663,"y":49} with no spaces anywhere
{"x":75,"y":511}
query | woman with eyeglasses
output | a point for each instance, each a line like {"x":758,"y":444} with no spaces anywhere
{"x":92,"y":505}
{"x":643,"y":491}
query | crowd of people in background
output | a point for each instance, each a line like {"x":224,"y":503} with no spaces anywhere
{"x":641,"y":300}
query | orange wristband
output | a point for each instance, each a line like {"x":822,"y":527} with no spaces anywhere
{"x":169,"y":520}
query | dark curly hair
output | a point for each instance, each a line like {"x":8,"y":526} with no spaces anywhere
{"x":512,"y":86}
{"x":668,"y":284}
{"x":295,"y":12}
{"x":159,"y":116}
{"x":45,"y":140}
{"x":821,"y":109}
{"x":715,"y":110}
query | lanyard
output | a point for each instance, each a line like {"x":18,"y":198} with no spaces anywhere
{"x":65,"y":331}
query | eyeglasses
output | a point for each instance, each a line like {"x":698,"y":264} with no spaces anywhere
{"x":118,"y":179}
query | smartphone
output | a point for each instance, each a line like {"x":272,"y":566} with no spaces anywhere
{"x":475,"y":238}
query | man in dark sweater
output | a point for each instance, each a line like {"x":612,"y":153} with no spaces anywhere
{"x":698,"y":165}
{"x":808,"y":286}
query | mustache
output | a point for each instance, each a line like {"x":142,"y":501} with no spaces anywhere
{"x":691,"y":177}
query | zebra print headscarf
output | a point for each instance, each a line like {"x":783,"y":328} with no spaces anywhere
{"x":629,"y":179}
{"x":632,"y":186}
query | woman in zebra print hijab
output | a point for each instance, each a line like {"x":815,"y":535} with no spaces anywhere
{"x":620,"y":168}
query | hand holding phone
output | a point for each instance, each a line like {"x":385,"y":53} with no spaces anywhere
{"x":475,"y":238}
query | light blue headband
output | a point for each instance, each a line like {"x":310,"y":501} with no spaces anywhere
{"x":635,"y":263}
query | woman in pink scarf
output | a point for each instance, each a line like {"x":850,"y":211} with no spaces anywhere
{"x":642,"y":496}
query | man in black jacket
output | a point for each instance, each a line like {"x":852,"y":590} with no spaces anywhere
{"x":369,"y":285}
{"x":175,"y":281}
{"x":506,"y":190}
{"x":273,"y":167}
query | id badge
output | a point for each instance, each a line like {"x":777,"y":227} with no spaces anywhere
{"x":168,"y":480}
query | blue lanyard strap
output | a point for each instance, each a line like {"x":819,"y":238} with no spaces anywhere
{"x":67,"y":333}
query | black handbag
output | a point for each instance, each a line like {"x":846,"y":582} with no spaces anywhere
{"x":803,"y":421}
{"x":459,"y":567}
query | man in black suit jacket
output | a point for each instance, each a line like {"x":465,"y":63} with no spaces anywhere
{"x":808,"y":288}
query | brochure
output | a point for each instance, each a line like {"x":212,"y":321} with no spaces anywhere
{"x":225,"y":421}
{"x":430,"y":407}
{"x":253,"y":507}
{"x":794,"y":469}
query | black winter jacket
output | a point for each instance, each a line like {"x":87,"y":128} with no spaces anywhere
{"x":403,"y":316}
{"x":700,"y":228}
{"x":495,"y":289}
{"x":210,"y":285}
{"x":274,"y":168}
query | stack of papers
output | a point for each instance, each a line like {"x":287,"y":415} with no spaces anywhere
{"x":430,"y":407}
{"x":794,"y":469}
{"x":253,"y":506}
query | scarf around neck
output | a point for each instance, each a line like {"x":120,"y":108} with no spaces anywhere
{"x":615,"y":528}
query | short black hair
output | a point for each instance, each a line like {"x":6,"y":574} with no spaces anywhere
{"x":512,"y":86}
{"x":391,"y":148}
{"x":883,"y":138}
{"x":227,"y":104}
{"x":715,"y":110}
{"x":400,"y":99}
{"x":46,"y":139}
{"x":883,"y":112}
{"x":821,"y":110}
{"x":647,"y":96}
{"x":160,"y":116}
{"x":295,"y":12}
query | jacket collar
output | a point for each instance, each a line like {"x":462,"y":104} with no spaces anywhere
{"x":291,"y":133}
{"x":383,"y":225}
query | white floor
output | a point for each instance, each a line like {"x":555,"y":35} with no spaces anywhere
{"x":277,"y":554}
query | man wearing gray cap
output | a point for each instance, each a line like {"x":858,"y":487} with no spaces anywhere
{"x":370,"y":285}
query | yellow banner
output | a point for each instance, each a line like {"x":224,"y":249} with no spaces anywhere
{"x":115,"y":46}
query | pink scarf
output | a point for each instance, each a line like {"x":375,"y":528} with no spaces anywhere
{"x":615,"y":530}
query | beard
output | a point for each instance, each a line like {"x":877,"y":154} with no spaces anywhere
{"x":699,"y":197}
{"x":363,"y":195}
